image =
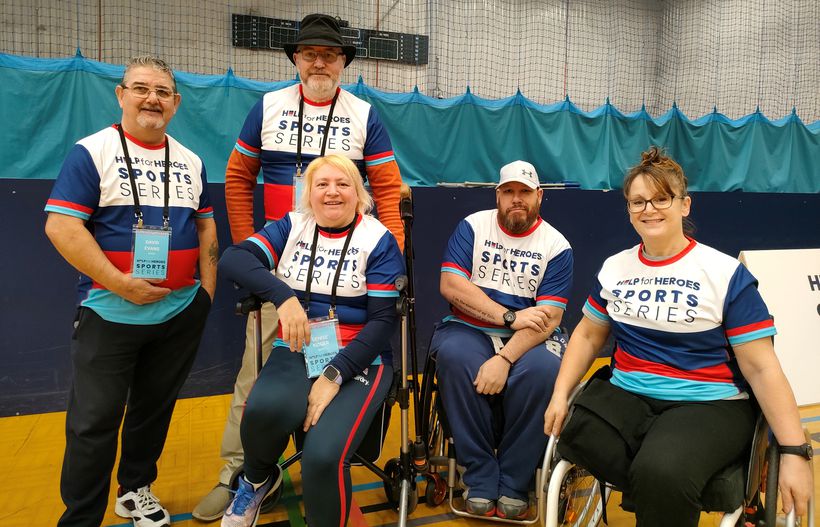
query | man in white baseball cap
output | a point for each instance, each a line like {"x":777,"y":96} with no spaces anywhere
{"x":519,"y":171}
{"x":506,"y":274}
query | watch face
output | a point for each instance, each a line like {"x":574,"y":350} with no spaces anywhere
{"x":509,"y":317}
{"x":330,"y":373}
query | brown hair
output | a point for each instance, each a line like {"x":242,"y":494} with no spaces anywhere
{"x":665,"y":174}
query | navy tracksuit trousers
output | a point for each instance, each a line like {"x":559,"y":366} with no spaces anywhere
{"x":494,"y":468}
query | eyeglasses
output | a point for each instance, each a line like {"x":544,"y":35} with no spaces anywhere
{"x":659,"y":203}
{"x":328,"y":56}
{"x":142,"y":92}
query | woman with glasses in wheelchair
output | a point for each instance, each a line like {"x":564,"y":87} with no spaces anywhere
{"x":693,"y":343}
{"x":331,"y":366}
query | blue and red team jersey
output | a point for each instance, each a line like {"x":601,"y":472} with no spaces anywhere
{"x":371,"y":266}
{"x":515,"y":270}
{"x":270,"y":134}
{"x":93,"y":185}
{"x":675,"y":321}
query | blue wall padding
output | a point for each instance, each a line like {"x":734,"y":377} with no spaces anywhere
{"x":48,"y":104}
{"x":37,"y":296}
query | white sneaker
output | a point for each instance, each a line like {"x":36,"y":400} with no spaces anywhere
{"x":142,"y":507}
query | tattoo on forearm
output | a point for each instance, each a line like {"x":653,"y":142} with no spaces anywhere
{"x":464,"y":305}
{"x":213,"y":253}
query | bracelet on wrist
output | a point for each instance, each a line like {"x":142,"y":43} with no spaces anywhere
{"x":499,"y":354}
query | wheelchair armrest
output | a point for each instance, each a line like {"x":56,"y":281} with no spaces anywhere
{"x":248,"y":305}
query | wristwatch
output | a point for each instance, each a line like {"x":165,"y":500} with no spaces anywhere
{"x":805,"y":450}
{"x":332,"y":374}
{"x":509,"y":318}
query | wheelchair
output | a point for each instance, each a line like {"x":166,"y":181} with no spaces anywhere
{"x":369,"y":450}
{"x":746,"y":493}
{"x":443,"y":474}
{"x":399,"y":474}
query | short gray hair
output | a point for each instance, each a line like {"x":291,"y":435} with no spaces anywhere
{"x":152,"y":62}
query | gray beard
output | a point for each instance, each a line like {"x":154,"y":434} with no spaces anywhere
{"x":147,"y":122}
{"x":320,"y":90}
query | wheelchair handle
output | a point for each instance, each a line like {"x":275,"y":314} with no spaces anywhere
{"x":401,"y":283}
{"x":248,"y":305}
{"x":406,"y":202}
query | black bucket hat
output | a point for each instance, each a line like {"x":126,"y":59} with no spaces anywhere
{"x":320,"y":30}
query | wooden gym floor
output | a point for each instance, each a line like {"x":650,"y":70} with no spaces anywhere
{"x":31,"y":450}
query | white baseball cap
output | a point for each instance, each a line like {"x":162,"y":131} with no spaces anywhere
{"x":519,"y":171}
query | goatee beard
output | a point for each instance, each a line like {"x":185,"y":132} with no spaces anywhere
{"x":147,"y":122}
{"x":321,"y":89}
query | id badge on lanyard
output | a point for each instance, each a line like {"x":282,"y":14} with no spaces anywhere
{"x":150,"y":244}
{"x":298,"y":188}
{"x":325,"y":343}
{"x":298,"y":178}
{"x":150,"y":247}
{"x":325,"y":337}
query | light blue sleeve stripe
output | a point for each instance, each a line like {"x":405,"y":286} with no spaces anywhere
{"x":489,"y":331}
{"x":562,"y":305}
{"x":245,"y":151}
{"x":594,"y":314}
{"x":383,"y":294}
{"x":379,"y":161}
{"x":279,"y":343}
{"x":204,"y":215}
{"x":672,"y":389}
{"x":754,"y":335}
{"x":454,"y":271}
{"x":67,"y":212}
{"x":264,"y":249}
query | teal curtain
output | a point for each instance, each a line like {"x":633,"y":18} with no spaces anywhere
{"x":48,"y":104}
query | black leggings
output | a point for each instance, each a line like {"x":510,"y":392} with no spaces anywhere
{"x":661,"y":453}
{"x":277,"y":406}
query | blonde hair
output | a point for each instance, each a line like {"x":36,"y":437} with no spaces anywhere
{"x":346,"y":167}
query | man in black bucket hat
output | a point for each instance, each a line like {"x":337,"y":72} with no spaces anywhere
{"x":283,"y":132}
{"x":320,"y":30}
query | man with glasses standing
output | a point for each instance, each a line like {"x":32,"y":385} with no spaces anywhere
{"x":130,"y":211}
{"x":283,"y":132}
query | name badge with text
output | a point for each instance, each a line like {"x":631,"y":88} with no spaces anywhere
{"x":150,"y":252}
{"x":325,"y":343}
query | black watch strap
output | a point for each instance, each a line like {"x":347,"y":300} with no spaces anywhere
{"x":805,"y":450}
{"x":509,"y":318}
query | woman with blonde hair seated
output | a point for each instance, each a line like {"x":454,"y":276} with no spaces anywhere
{"x":331,"y":366}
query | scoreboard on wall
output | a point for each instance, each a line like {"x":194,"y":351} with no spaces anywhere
{"x":259,"y":32}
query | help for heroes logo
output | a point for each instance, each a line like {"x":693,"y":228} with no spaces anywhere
{"x":660,"y":298}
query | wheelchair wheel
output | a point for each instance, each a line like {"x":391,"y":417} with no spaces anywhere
{"x":770,"y":504}
{"x":269,"y":503}
{"x":436,"y":490}
{"x":392,"y":488}
{"x":579,"y":500}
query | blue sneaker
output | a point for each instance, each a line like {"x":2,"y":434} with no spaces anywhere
{"x":243,"y":511}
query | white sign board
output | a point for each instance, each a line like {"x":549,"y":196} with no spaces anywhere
{"x":790,"y":285}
